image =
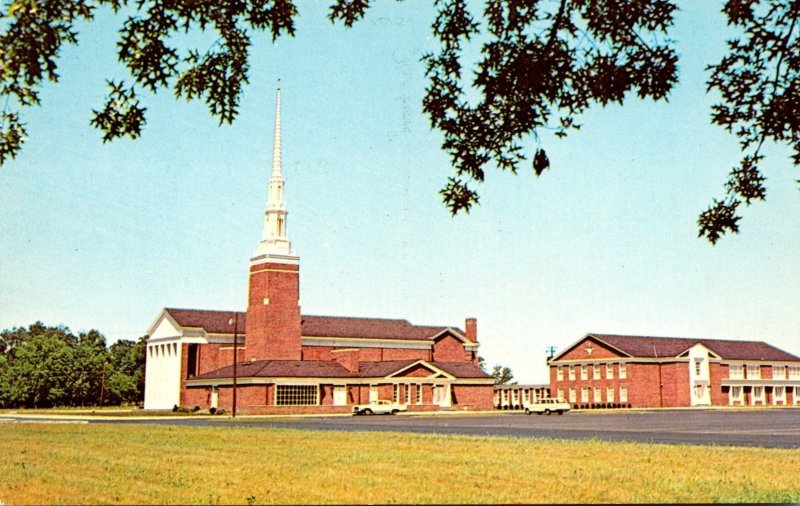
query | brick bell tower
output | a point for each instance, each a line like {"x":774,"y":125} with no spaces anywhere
{"x":273,"y":310}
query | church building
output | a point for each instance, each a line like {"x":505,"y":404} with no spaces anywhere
{"x":288,"y":362}
{"x":603,"y":370}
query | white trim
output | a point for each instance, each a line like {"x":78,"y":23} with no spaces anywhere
{"x":436,"y":370}
{"x":335,"y":381}
{"x":363,"y":342}
{"x":586,"y":336}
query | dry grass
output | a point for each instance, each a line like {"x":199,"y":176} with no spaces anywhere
{"x":68,"y":464}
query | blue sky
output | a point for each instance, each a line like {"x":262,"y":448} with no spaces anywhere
{"x":104,"y":236}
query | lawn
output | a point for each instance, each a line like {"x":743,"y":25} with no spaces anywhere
{"x":70,"y":463}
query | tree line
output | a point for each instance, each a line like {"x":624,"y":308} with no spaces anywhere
{"x":42,"y":367}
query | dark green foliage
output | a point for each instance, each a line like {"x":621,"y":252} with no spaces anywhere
{"x":542,"y":64}
{"x":43,"y":366}
{"x":759,"y":84}
{"x":125,"y":376}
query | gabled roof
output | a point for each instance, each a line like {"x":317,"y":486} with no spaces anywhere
{"x":332,"y":369}
{"x":281,"y":369}
{"x":661,"y":347}
{"x":217,"y":322}
{"x":368,"y":328}
{"x":213,"y":322}
{"x":462,"y":369}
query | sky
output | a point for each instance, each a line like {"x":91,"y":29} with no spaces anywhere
{"x":104,"y":236}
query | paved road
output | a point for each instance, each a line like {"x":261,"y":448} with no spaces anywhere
{"x":774,"y":428}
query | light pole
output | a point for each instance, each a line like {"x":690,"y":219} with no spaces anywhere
{"x":235,"y":322}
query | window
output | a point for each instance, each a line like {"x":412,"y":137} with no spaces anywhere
{"x":596,"y":371}
{"x":408,"y":393}
{"x":779,"y":395}
{"x":296,"y":395}
{"x":396,"y":393}
{"x":698,"y":363}
{"x":573,"y":395}
{"x":794,"y":373}
{"x":598,"y":394}
{"x":609,"y":371}
{"x":778,"y":372}
{"x":559,"y":373}
{"x":736,"y":394}
{"x":572,"y":372}
{"x":561,"y":394}
{"x":736,"y":371}
{"x":753,"y":371}
{"x":584,"y":372}
{"x":191,"y":361}
{"x":585,"y":394}
{"x":623,"y":373}
{"x":758,"y":394}
{"x":610,"y":394}
{"x":623,"y":394}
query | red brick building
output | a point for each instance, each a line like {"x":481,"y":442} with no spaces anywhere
{"x":612,"y":370}
{"x":290,"y":362}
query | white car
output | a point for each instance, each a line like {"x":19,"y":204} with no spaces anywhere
{"x":547,"y":406}
{"x":379,"y":408}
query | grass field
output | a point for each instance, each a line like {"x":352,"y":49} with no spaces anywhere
{"x":69,"y":464}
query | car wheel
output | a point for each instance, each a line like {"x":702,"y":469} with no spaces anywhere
{"x":546,"y":411}
{"x":394,"y":412}
{"x":367,"y":411}
{"x":527,"y":411}
{"x":560,"y":412}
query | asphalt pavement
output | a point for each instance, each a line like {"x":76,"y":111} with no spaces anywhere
{"x":770,"y":428}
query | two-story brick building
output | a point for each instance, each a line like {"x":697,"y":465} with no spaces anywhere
{"x":290,"y":362}
{"x":640,"y":371}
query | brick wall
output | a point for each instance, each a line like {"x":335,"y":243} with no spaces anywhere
{"x":449,"y":349}
{"x":675,"y":377}
{"x":196,"y":397}
{"x":599,"y":351}
{"x":365,"y":354}
{"x":718,"y":372}
{"x":273,"y":329}
{"x":211,"y":357}
{"x":418,"y":371}
{"x":473,"y":397}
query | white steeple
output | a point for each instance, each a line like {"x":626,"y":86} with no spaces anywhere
{"x":275,"y":242}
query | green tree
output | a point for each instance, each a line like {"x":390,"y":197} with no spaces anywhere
{"x":43,"y":366}
{"x":125,"y":381}
{"x":41,"y":372}
{"x":541,"y":64}
{"x":502,"y":375}
{"x":89,"y":357}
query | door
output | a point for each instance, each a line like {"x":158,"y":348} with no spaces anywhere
{"x":214,"y":398}
{"x":441,"y":395}
{"x":373,"y":393}
{"x":340,"y":396}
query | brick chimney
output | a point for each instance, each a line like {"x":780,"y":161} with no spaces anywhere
{"x":471,"y":325}
{"x":348,"y":358}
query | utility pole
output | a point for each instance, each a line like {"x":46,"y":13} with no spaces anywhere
{"x":103,"y":383}
{"x":235,"y":322}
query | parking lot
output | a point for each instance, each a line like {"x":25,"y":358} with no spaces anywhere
{"x":772,"y":428}
{"x":775,"y":428}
